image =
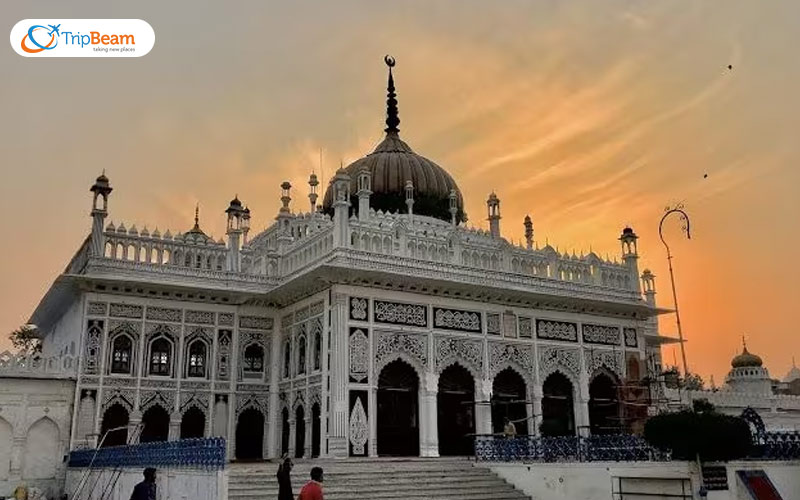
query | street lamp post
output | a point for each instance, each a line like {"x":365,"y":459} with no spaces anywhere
{"x":678,"y":209}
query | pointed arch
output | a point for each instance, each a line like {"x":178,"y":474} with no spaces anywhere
{"x":42,"y":454}
{"x":415,"y":364}
{"x":6,"y":442}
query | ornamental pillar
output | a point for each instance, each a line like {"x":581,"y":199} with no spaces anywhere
{"x":582,"y":409}
{"x":373,"y":422}
{"x":308,"y":441}
{"x":17,"y":452}
{"x":483,"y":412}
{"x":292,"y":436}
{"x":536,"y":416}
{"x":429,"y":417}
{"x":134,"y":427}
{"x":174,"y":426}
{"x":337,"y":432}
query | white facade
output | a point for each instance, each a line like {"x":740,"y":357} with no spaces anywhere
{"x":286,"y":341}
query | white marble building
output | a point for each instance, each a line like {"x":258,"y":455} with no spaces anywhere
{"x":375,"y":324}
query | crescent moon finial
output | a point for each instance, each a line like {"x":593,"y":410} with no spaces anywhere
{"x":389,"y":60}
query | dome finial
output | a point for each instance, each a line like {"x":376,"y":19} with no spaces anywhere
{"x":744,"y":344}
{"x":197,"y":216}
{"x":392,"y":118}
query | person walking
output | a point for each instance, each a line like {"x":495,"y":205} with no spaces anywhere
{"x":312,"y":489}
{"x":146,"y":490}
{"x":285,"y":479}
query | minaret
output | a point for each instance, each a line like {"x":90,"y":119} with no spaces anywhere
{"x":312,"y":194}
{"x":364,"y":192}
{"x":493,"y":204}
{"x":341,"y":208}
{"x":245,"y":224}
{"x":101,"y":188}
{"x":410,"y":199}
{"x":453,"y":207}
{"x":649,"y":285}
{"x":630,"y":255}
{"x":234,"y":231}
{"x":528,"y":223}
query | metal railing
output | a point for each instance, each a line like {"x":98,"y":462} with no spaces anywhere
{"x":611,"y":448}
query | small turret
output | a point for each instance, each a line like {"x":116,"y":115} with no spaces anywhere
{"x":238,"y":224}
{"x":493,"y":205}
{"x":630,"y":255}
{"x":528,"y":232}
{"x":453,"y":200}
{"x":410,"y":199}
{"x":312,"y":194}
{"x":101,"y":189}
{"x":364,"y":192}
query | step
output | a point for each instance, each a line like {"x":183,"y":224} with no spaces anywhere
{"x":515,"y":495}
{"x":378,"y":488}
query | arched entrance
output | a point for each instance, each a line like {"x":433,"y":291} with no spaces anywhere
{"x":316,"y":415}
{"x":604,"y":416}
{"x":509,"y":397}
{"x":285,"y":430}
{"x":456,"y":411}
{"x":558,"y":414}
{"x":155,"y":423}
{"x":115,"y":416}
{"x":398,"y":410}
{"x":250,"y":435}
{"x":299,"y":432}
{"x":193,"y":423}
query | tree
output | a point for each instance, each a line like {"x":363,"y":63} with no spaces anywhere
{"x":699,"y":432}
{"x":693,"y":382}
{"x":25,"y":340}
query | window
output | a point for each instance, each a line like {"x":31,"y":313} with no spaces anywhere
{"x":317,"y":351}
{"x":287,"y":359}
{"x":121,"y":355}
{"x":254,"y":359}
{"x":301,"y":355}
{"x":160,"y":354}
{"x":197,"y":359}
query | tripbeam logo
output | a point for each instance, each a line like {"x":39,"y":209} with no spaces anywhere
{"x":82,"y":38}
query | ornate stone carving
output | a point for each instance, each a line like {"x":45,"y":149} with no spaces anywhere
{"x":564,"y":359}
{"x":400,"y":314}
{"x":596,"y":359}
{"x":189,"y":399}
{"x":316,"y":308}
{"x":166,"y":384}
{"x":252,"y":388}
{"x":301,"y":314}
{"x":358,"y":308}
{"x":94,"y":347}
{"x":97,"y":308}
{"x":556,"y":330}
{"x":502,"y":354}
{"x":359,"y":428}
{"x":287,"y":321}
{"x":152,"y":329}
{"x":631,"y":338}
{"x":125,"y":311}
{"x":116,"y":326}
{"x":223,"y":354}
{"x":191,"y":385}
{"x":125,"y":397}
{"x":359,"y":355}
{"x":119,"y":382}
{"x":509,"y":324}
{"x":388,"y":344}
{"x":163,"y":314}
{"x":199,"y":317}
{"x":468,"y":352}
{"x":256,"y":322}
{"x":453,"y":319}
{"x":600,"y":334}
{"x":525,"y":327}
{"x":166,"y":399}
{"x":89,"y":380}
{"x":258,"y":402}
{"x":226,"y":319}
{"x":493,"y":323}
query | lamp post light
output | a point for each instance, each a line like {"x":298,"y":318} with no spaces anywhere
{"x":678,"y":209}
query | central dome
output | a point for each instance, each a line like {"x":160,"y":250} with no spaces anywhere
{"x":392,"y":165}
{"x":746,"y":360}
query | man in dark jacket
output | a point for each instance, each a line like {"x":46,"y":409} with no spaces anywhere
{"x":146,"y":490}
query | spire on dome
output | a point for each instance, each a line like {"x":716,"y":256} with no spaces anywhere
{"x":392,"y":118}
{"x":196,"y":217}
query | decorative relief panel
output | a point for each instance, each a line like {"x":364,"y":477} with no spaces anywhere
{"x":166,"y":384}
{"x":400,"y":314}
{"x":600,"y":334}
{"x":226,"y":319}
{"x":163,"y":314}
{"x":599,"y":358}
{"x":153,"y":329}
{"x":466,"y":351}
{"x":125,"y":311}
{"x":97,"y":308}
{"x":119,"y":382}
{"x":257,"y":322}
{"x":359,"y":355}
{"x":359,"y":425}
{"x":258,"y":402}
{"x":116,"y":326}
{"x":358,"y":308}
{"x":493,"y":323}
{"x":125,"y":397}
{"x":565,"y":359}
{"x":190,"y":385}
{"x":199,"y":317}
{"x":556,"y":330}
{"x":252,"y":388}
{"x":94,"y":347}
{"x":165,"y":399}
{"x":502,"y":354}
{"x":287,"y":321}
{"x":525,"y":327}
{"x":316,"y":308}
{"x":89,"y":380}
{"x":223,"y":354}
{"x":631,"y":339}
{"x":453,"y":319}
{"x":189,"y":399}
{"x":509,"y":324}
{"x":387,"y":344}
{"x":301,"y":314}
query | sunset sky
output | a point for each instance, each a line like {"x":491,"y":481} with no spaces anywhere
{"x":588,"y":116}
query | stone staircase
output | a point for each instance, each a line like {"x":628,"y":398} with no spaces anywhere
{"x":381,"y":478}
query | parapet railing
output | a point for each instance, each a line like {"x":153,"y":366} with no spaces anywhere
{"x":776,"y":445}
{"x":607,"y":448}
{"x":206,"y":453}
{"x":27,"y":365}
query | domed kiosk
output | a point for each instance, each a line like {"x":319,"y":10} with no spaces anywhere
{"x":748,"y":374}
{"x":393,"y":164}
